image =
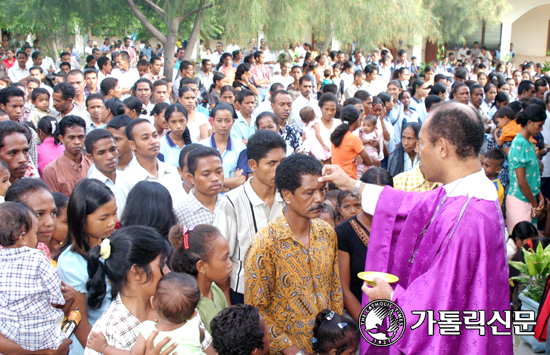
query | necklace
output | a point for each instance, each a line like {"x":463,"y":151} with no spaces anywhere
{"x":421,"y":235}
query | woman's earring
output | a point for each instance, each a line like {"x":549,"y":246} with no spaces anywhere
{"x":203,"y":274}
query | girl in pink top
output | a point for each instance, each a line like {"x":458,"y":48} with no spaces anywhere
{"x":50,"y":148}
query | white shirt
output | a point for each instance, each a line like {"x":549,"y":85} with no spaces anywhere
{"x":47,"y":63}
{"x":298,"y":105}
{"x":232,"y":47}
{"x":242,"y":213}
{"x":74,"y":64}
{"x":281,"y":79}
{"x":168,"y":176}
{"x":75,"y":111}
{"x":474,"y":185}
{"x":126,"y":79}
{"x":88,"y":50}
{"x":347,"y":80}
{"x":462,"y":53}
{"x":15,"y":73}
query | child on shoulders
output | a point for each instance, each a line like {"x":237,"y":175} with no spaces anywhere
{"x":313,"y":142}
{"x":40,"y":99}
{"x":367,"y":133}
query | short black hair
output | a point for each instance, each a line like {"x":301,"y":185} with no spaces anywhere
{"x":461,"y":73}
{"x":107,"y":85}
{"x":15,"y":219}
{"x":131,"y":125}
{"x":495,"y":154}
{"x":288,"y":175}
{"x":524,"y":85}
{"x":362,"y":95}
{"x":236,"y":330}
{"x":153,"y":59}
{"x":101,"y":61}
{"x":279,"y":92}
{"x":93,"y":137}
{"x":461,"y":126}
{"x":431,"y":100}
{"x":36,"y":67}
{"x":142,"y":62}
{"x":262,"y":142}
{"x":304,"y":78}
{"x":89,"y":71}
{"x":9,"y":127}
{"x":8,"y":92}
{"x":196,"y":154}
{"x":39,"y":91}
{"x":185,"y":151}
{"x":94,"y":97}
{"x":66,"y":90}
{"x":119,"y":121}
{"x":70,"y":121}
{"x":185,"y":64}
{"x":21,"y":52}
{"x":244,"y":94}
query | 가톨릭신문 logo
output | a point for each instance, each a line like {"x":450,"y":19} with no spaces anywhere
{"x":382,"y":323}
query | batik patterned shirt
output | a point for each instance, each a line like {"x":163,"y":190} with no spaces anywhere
{"x":290,"y":284}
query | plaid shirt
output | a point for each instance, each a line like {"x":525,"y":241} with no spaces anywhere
{"x":191,"y":211}
{"x":29,"y":287}
{"x":413,"y":180}
{"x":119,"y":327}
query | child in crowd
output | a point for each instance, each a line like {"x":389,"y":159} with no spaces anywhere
{"x":31,"y":287}
{"x":331,"y":200}
{"x":176,"y":138}
{"x":328,"y":214}
{"x":492,"y":165}
{"x":175,"y":301}
{"x":502,"y":118}
{"x":348,"y":205}
{"x":367,"y":133}
{"x":313,"y":142}
{"x":50,"y":148}
{"x":40,"y":99}
{"x":240,"y":330}
{"x":523,"y":233}
{"x":203,"y":253}
{"x":4,"y":179}
{"x":327,"y":79}
{"x":61,"y":226}
{"x":335,"y":334}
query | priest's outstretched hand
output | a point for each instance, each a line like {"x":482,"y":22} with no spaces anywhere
{"x":336,"y":175}
{"x":382,"y":290}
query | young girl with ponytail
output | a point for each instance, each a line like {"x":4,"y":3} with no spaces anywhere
{"x":334,"y":334}
{"x":203,"y":252}
{"x":346,"y":146}
{"x":91,"y":215}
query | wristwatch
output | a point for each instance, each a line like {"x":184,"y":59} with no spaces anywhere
{"x":355,"y":191}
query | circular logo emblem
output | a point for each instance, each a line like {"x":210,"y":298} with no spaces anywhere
{"x":382,"y":323}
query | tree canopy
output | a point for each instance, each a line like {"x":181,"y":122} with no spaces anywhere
{"x":366,"y":22}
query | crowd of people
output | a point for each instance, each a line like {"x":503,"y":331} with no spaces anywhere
{"x":230,"y":211}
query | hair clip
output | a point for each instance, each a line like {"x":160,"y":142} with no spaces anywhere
{"x":342,"y":325}
{"x":530,"y":244}
{"x":345,"y":122}
{"x":185,"y":237}
{"x":329,"y":316}
{"x":314,"y":340}
{"x":105,"y":249}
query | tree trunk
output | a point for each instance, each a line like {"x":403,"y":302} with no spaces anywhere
{"x":169,"y":44}
{"x":195,"y":33}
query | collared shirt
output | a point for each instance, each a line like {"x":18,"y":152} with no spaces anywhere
{"x":191,"y":211}
{"x":168,"y":176}
{"x":94,"y":173}
{"x":152,"y":77}
{"x":30,"y":285}
{"x":63,"y":174}
{"x":170,"y":150}
{"x":347,"y":80}
{"x":126,"y":79}
{"x":234,"y":156}
{"x":15,"y":73}
{"x":413,"y":180}
{"x":407,"y":163}
{"x":298,"y":105}
{"x":205,"y":79}
{"x":260,"y":73}
{"x":292,"y":137}
{"x":87,"y":91}
{"x":242,"y":214}
{"x":229,"y":73}
{"x":290,"y":284}
{"x":75,"y":111}
{"x":241,"y":129}
{"x":281,"y":79}
{"x":74,"y":64}
{"x":46,"y":65}
{"x":131,"y":52}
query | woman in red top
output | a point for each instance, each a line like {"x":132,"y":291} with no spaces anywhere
{"x":9,"y":61}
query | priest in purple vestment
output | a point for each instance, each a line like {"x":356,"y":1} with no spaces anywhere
{"x":447,"y":246}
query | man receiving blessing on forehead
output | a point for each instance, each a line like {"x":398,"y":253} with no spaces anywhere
{"x":445,"y":245}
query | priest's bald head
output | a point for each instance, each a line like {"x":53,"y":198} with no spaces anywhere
{"x":449,"y":143}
